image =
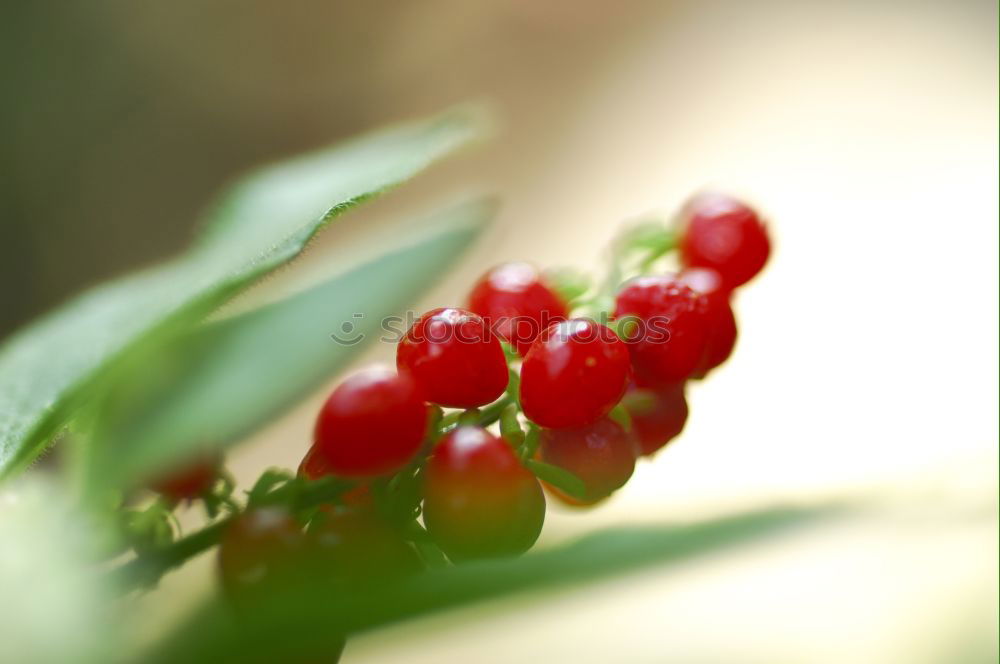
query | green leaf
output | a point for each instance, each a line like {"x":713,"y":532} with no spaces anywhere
{"x":48,"y":369}
{"x":301,"y":620}
{"x":54,"y":607}
{"x":558,"y":477}
{"x":218,"y":382}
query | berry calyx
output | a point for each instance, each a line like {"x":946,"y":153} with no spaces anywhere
{"x":372,"y":424}
{"x":313,"y":467}
{"x":601,"y":454}
{"x":658,"y":416}
{"x":190,"y":481}
{"x":726,"y":235}
{"x":669,"y":339}
{"x":261,"y":548}
{"x":721,"y":334}
{"x":516,"y":302}
{"x":573,"y":375}
{"x":454,"y":358}
{"x":479,"y":501}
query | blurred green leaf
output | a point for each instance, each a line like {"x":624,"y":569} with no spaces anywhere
{"x":222,"y":380}
{"x":570,"y":283}
{"x":48,"y":368}
{"x":54,"y":607}
{"x":300,"y":620}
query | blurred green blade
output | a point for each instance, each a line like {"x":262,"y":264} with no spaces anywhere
{"x":300,"y":621}
{"x":54,"y":607}
{"x":220,"y":381}
{"x":47,"y":368}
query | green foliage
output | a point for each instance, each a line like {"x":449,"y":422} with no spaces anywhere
{"x":135,"y":367}
{"x":52,"y":368}
{"x":300,"y":621}
{"x":54,"y":607}
{"x":218,"y":382}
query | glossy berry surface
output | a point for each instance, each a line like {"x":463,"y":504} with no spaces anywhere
{"x":658,"y":416}
{"x":669,"y":340}
{"x":515,"y":300}
{"x":262,"y":548}
{"x":721,"y":335}
{"x":601,"y":454}
{"x":356,"y":547}
{"x":573,"y":375}
{"x":372,"y":424}
{"x":479,"y":501}
{"x":454,"y":358}
{"x":190,"y":481}
{"x":724,"y":234}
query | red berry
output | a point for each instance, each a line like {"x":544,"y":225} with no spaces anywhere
{"x":352,"y":546}
{"x":601,"y":454}
{"x":668,"y":343}
{"x":454,"y":358}
{"x":726,"y":235}
{"x":372,"y":424}
{"x":658,"y":416}
{"x":573,"y":375}
{"x":479,"y":501}
{"x":513,"y":299}
{"x":721,"y":321}
{"x":190,"y":481}
{"x":261,"y":548}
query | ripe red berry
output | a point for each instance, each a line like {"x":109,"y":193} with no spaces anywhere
{"x":372,"y":424}
{"x":189,"y":481}
{"x":601,"y":454}
{"x":514,"y":300}
{"x":724,"y":234}
{"x":721,"y":336}
{"x":261,"y":548}
{"x":479,"y":501}
{"x":356,"y":547}
{"x":669,"y":340}
{"x":454,"y":358}
{"x":658,"y":416}
{"x":573,"y":375}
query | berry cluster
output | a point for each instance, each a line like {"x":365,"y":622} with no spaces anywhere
{"x":575,"y":400}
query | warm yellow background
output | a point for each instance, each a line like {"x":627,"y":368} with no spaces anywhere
{"x":867,"y":361}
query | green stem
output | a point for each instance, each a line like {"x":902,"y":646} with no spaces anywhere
{"x":146,"y":569}
{"x":491,"y":413}
{"x":668,"y":245}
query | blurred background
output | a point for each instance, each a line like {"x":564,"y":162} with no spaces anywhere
{"x":867,"y":362}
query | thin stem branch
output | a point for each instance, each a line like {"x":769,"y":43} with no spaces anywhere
{"x":146,"y":569}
